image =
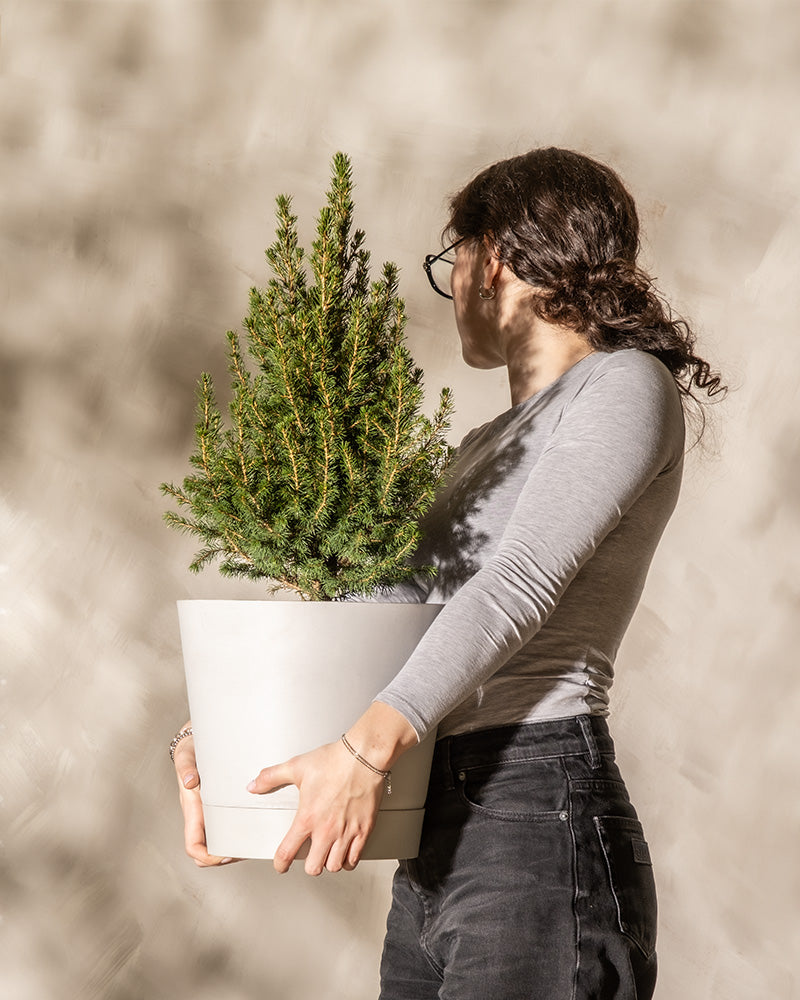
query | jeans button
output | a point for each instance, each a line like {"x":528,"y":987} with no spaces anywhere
{"x":462,"y":775}
{"x":562,"y":816}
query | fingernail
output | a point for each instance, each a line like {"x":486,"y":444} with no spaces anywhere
{"x":252,"y":786}
{"x":226,"y":861}
{"x":188,"y":777}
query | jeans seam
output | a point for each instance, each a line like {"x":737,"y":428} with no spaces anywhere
{"x":575,"y":912}
{"x":424,"y":930}
{"x":423,"y":940}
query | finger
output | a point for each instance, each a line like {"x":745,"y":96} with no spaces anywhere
{"x":337,"y":856}
{"x":287,"y":850}
{"x":194,"y":832}
{"x":271,"y":778}
{"x":213,"y":862}
{"x":355,"y":851}
{"x":329,"y":843}
{"x":317,"y":856}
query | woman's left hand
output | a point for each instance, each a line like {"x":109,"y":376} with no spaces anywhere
{"x":339,"y":801}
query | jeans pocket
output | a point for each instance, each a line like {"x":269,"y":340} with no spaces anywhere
{"x":516,"y":791}
{"x":630,"y":874}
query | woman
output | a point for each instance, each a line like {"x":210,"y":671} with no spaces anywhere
{"x":534,"y":877}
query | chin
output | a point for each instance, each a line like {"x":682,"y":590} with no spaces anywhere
{"x":480,"y":363}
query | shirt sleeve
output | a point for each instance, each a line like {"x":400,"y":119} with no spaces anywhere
{"x":621,"y":430}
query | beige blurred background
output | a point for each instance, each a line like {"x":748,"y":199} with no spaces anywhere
{"x":143,"y":144}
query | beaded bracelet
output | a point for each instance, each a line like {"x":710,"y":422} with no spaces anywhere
{"x":176,"y":740}
{"x":386,"y":775}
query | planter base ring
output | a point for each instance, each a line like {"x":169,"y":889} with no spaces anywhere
{"x":234,"y":832}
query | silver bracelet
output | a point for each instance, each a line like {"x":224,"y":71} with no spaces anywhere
{"x":386,"y":775}
{"x":176,"y":740}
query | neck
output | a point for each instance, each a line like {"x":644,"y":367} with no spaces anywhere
{"x":537,"y":356}
{"x":534,"y":351}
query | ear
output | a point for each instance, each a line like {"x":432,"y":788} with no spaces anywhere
{"x":492,"y":266}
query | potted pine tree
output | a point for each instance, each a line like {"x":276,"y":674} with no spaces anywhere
{"x":316,"y":487}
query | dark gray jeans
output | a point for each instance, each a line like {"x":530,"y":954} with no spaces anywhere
{"x":534,"y":879}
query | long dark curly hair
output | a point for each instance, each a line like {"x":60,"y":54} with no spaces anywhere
{"x":566,"y":224}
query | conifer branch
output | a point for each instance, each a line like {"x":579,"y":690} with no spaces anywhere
{"x":291,"y":456}
{"x":323,"y":500}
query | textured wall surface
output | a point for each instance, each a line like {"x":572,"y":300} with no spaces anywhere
{"x":143,"y":142}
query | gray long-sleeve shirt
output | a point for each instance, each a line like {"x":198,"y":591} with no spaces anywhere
{"x":542,"y":537}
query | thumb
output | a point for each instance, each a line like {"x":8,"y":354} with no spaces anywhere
{"x":185,"y":764}
{"x":188,"y":777}
{"x":269,"y":779}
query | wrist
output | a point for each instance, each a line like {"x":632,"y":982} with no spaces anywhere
{"x":386,"y":775}
{"x":382,"y":735}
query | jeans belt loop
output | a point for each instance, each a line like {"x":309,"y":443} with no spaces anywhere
{"x":585,"y":723}
{"x":447,"y":766}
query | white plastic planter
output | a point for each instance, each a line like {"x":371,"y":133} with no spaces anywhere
{"x":271,"y":679}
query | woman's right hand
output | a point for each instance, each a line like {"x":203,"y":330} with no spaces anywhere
{"x":194,"y":829}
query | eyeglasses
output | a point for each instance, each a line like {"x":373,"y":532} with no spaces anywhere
{"x":439,"y":269}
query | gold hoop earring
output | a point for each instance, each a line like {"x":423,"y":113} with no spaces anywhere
{"x":487,"y":293}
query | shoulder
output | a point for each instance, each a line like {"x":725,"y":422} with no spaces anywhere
{"x":631,"y":378}
{"x":638,"y":366}
{"x":633,"y":396}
